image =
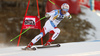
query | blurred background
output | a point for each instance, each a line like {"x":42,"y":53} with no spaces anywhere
{"x":83,"y":26}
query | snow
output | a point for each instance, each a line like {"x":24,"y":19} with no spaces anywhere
{"x":97,"y":12}
{"x":66,"y":49}
{"x":86,"y":48}
{"x":94,"y":19}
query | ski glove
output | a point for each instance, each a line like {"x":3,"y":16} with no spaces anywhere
{"x":69,"y":17}
{"x":47,"y":15}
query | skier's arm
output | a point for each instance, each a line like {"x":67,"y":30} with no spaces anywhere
{"x":48,"y":14}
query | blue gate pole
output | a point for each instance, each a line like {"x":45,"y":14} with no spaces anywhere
{"x":91,"y":5}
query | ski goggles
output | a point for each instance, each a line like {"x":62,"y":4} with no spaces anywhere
{"x":65,"y":10}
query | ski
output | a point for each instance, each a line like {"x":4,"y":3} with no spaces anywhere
{"x":34,"y":48}
{"x":41,"y":47}
{"x":57,"y":45}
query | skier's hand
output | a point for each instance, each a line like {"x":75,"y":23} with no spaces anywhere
{"x":69,"y":17}
{"x":47,"y":15}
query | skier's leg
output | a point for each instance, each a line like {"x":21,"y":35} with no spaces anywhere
{"x":37,"y":38}
{"x":47,"y":27}
{"x":54,"y":36}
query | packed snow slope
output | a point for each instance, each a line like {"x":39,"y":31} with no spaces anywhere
{"x":66,"y":49}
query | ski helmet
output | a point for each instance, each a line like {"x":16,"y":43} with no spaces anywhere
{"x":65,"y":7}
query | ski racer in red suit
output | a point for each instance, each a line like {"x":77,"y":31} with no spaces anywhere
{"x":56,"y":16}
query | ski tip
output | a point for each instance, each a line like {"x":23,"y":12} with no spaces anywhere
{"x":58,"y":45}
{"x":23,"y":49}
{"x":34,"y":48}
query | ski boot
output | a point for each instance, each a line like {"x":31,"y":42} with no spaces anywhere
{"x":47,"y":44}
{"x":28,"y":47}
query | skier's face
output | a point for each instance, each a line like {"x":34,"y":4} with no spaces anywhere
{"x":63,"y":12}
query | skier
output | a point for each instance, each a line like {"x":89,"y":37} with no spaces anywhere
{"x":51,"y":24}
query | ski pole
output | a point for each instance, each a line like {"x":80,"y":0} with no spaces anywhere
{"x":54,"y":3}
{"x":25,"y":30}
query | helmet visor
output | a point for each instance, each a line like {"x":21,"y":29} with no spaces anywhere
{"x":65,"y":10}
